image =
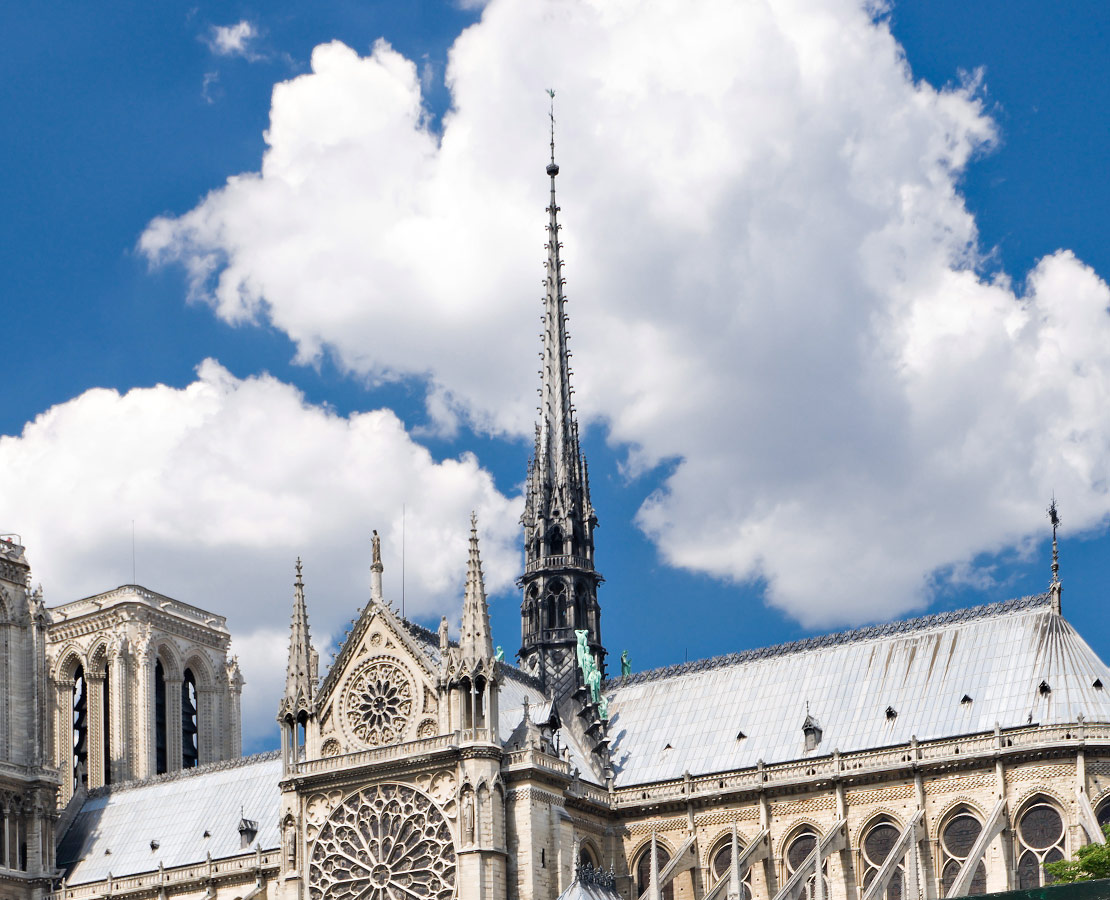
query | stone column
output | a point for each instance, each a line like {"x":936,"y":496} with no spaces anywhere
{"x":173,"y":724}
{"x":97,"y":729}
{"x":118,"y":713}
{"x":63,"y":728}
{"x":146,"y":763}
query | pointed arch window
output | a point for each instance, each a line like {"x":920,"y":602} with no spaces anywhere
{"x":876,"y":846}
{"x":80,"y":711}
{"x":555,"y":545}
{"x":106,"y":726}
{"x":1040,"y":840}
{"x":957,"y":837}
{"x":720,"y":861}
{"x":160,"y":723}
{"x":190,"y":740}
{"x":797,"y":852}
{"x":643,"y":870}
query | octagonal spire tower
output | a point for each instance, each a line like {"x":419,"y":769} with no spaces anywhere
{"x":559,"y":581}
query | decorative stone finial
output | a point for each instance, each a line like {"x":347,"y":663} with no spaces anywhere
{"x":1055,"y":588}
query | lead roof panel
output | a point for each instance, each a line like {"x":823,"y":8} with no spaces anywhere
{"x":115,"y":827}
{"x":689,"y":717}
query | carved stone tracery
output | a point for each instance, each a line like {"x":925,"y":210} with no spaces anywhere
{"x":378,"y":704}
{"x":387,"y":842}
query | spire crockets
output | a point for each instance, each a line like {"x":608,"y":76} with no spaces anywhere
{"x":559,"y":581}
{"x":475,"y":640}
{"x":300,"y":686}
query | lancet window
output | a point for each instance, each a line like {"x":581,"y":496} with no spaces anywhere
{"x":957,"y":837}
{"x":1040,"y":840}
{"x":721,"y":861}
{"x":797,"y":852}
{"x":643,"y":870}
{"x":161,"y":742}
{"x":190,"y":749}
{"x":876,"y":846}
{"x":80,"y":728}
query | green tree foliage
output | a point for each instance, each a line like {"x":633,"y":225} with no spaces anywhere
{"x":1092,"y":861}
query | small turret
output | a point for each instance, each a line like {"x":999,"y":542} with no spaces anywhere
{"x":475,"y":640}
{"x":298,"y":703}
{"x":470,"y":671}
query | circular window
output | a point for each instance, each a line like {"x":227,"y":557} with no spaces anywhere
{"x":382,"y":843}
{"x":960,"y":834}
{"x":957,"y":838}
{"x":1041,"y":827}
{"x":876,"y":847}
{"x":721,"y":862}
{"x":378,"y":704}
{"x":1040,"y":840}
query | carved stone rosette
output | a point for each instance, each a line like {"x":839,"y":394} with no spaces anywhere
{"x":378,"y":703}
{"x":387,"y":842}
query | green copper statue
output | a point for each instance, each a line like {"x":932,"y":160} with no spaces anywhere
{"x":500,"y":654}
{"x":583,"y":648}
{"x":592,"y":675}
{"x":603,"y":709}
{"x":626,"y":666}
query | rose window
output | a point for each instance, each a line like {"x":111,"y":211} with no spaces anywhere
{"x":379,"y":704}
{"x":388,"y":842}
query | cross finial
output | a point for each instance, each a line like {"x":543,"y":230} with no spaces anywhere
{"x":298,"y":566}
{"x":1054,"y":518}
{"x":552,"y":167}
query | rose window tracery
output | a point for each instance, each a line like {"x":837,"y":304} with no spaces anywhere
{"x":388,"y":842}
{"x":379,"y":704}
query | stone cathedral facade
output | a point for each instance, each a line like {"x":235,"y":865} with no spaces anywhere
{"x":942,"y":756}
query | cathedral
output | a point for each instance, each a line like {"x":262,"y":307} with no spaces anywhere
{"x":941,"y":756}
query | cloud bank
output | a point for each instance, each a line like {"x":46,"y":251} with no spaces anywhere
{"x":777,"y":288}
{"x":227,"y":482}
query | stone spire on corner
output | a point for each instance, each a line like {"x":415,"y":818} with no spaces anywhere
{"x":300,"y":674}
{"x":475,"y":639}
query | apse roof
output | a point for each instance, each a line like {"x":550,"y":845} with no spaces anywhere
{"x":173,"y":820}
{"x":1012,"y":663}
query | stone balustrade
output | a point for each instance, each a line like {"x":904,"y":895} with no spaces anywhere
{"x":245,"y":867}
{"x":405,"y":751}
{"x":847,"y":765}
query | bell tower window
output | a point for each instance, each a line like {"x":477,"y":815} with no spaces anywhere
{"x":159,"y":718}
{"x":190,"y":754}
{"x":80,"y":728}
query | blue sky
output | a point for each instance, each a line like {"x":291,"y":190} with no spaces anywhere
{"x":756,"y":320}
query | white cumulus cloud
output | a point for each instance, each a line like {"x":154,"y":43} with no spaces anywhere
{"x":776,"y":286}
{"x":233,"y":40}
{"x":227,"y":481}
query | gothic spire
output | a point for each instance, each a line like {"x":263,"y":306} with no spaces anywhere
{"x":475,"y":640}
{"x":557,"y":456}
{"x":300,"y":688}
{"x":559,"y":581}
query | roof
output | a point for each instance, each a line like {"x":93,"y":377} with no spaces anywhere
{"x":116,"y":825}
{"x":936,"y":676}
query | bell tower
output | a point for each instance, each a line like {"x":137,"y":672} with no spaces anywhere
{"x":559,"y":581}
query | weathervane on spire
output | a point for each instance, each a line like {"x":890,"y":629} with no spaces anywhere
{"x":1054,"y":518}
{"x":1055,"y":588}
{"x":552,"y":167}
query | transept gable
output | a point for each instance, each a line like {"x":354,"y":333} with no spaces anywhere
{"x":381,"y":689}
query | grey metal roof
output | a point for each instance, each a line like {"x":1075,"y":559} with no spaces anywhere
{"x":115,"y":827}
{"x":867,"y":688}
